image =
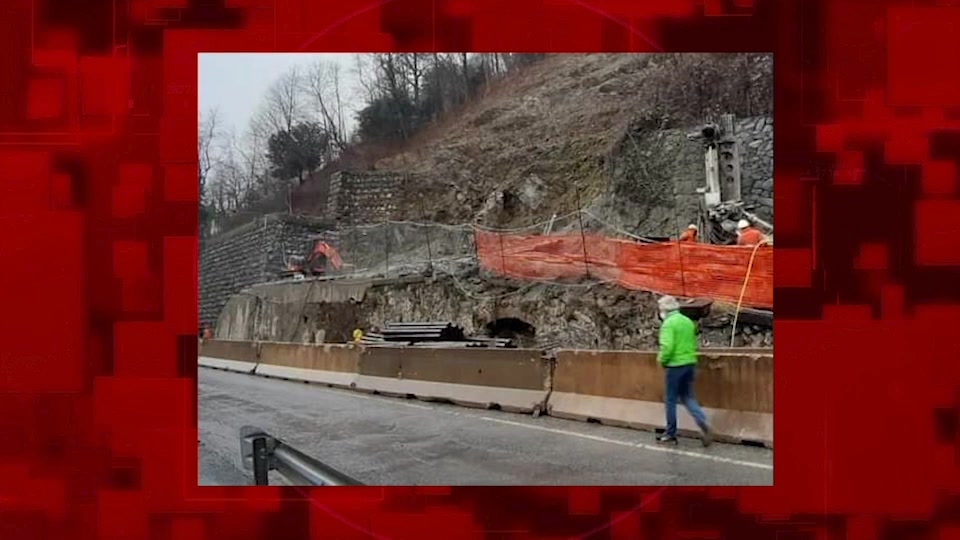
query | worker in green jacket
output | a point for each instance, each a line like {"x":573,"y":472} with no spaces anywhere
{"x":678,"y":356}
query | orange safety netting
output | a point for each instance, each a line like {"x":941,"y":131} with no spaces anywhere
{"x":677,"y":268}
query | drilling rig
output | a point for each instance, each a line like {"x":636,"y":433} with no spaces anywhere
{"x":721,"y":204}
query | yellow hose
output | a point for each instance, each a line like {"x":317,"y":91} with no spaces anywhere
{"x":743,"y":290}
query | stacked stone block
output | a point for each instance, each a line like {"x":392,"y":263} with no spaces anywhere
{"x":364,"y":197}
{"x":253,"y":253}
{"x":756,"y":151}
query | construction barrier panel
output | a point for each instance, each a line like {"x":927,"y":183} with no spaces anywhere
{"x":684,"y":269}
{"x":514,"y":380}
{"x":229,"y":355}
{"x":626,"y":388}
{"x":333,"y":365}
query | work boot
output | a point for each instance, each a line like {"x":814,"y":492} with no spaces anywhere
{"x":706,"y":436}
{"x":666,"y":439}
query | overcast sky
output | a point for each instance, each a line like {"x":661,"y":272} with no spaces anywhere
{"x":235,"y":83}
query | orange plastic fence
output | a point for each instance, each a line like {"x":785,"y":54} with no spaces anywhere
{"x":677,"y":268}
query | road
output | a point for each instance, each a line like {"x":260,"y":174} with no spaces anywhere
{"x":389,"y":441}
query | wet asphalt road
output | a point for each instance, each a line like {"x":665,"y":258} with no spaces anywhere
{"x":388,"y":441}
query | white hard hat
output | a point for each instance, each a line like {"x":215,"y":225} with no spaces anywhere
{"x":743,"y":224}
{"x":692,"y":226}
{"x":668,"y":303}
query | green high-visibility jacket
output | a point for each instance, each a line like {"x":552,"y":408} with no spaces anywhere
{"x":678,"y":341}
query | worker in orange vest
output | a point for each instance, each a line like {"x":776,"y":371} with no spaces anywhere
{"x":690,"y":234}
{"x":748,"y":235}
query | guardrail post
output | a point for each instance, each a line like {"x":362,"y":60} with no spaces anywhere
{"x":261,"y":461}
{"x":262,"y":453}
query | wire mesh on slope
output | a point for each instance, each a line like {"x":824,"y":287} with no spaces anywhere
{"x":573,"y":246}
{"x":396,"y":248}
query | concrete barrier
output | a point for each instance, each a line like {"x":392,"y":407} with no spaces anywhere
{"x":333,"y":365}
{"x":626,"y":388}
{"x":238,"y":356}
{"x":612,"y":387}
{"x":514,"y":380}
{"x":737,"y":351}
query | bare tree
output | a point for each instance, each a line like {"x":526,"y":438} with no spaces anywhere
{"x":283,"y":105}
{"x":282,"y":108}
{"x":229,"y":178}
{"x":484,"y":68}
{"x":251,"y":151}
{"x":365,"y":69}
{"x":438,"y":82}
{"x":207,"y":135}
{"x":341,"y":123}
{"x":322,"y":84}
{"x":217,"y":194}
{"x":466,"y":76}
{"x":391,"y":75}
{"x":414,"y":66}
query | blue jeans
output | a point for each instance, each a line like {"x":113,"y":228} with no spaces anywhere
{"x":679,"y":387}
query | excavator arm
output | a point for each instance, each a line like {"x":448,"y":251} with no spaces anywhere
{"x":322,"y":248}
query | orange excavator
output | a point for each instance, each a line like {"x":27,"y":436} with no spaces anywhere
{"x":314,"y":264}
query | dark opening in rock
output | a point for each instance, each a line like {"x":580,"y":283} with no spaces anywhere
{"x":521,"y":332}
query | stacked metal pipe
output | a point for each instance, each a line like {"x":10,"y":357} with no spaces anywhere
{"x":423,"y":331}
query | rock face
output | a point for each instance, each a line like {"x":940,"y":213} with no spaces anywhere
{"x":253,"y":253}
{"x":585,"y":316}
{"x":655,"y":174}
{"x":563,"y":121}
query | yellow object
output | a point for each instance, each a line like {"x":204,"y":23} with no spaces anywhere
{"x":357,"y":334}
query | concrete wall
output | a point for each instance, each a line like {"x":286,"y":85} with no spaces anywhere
{"x":253,"y":253}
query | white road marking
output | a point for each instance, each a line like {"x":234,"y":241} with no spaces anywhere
{"x":654,"y":448}
{"x":665,"y":449}
{"x":644,"y":446}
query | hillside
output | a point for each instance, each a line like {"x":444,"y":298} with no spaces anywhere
{"x":606,"y":124}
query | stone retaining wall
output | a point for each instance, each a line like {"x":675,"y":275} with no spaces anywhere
{"x":364,"y":197}
{"x":253,"y":253}
{"x":756,"y":168}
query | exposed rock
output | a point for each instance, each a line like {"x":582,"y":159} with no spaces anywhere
{"x":587,"y":316}
{"x":570,"y":130}
{"x":531,"y":192}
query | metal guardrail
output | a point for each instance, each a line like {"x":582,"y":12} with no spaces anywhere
{"x":262,"y":453}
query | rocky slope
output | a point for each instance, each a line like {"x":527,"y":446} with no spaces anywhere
{"x":523,"y":151}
